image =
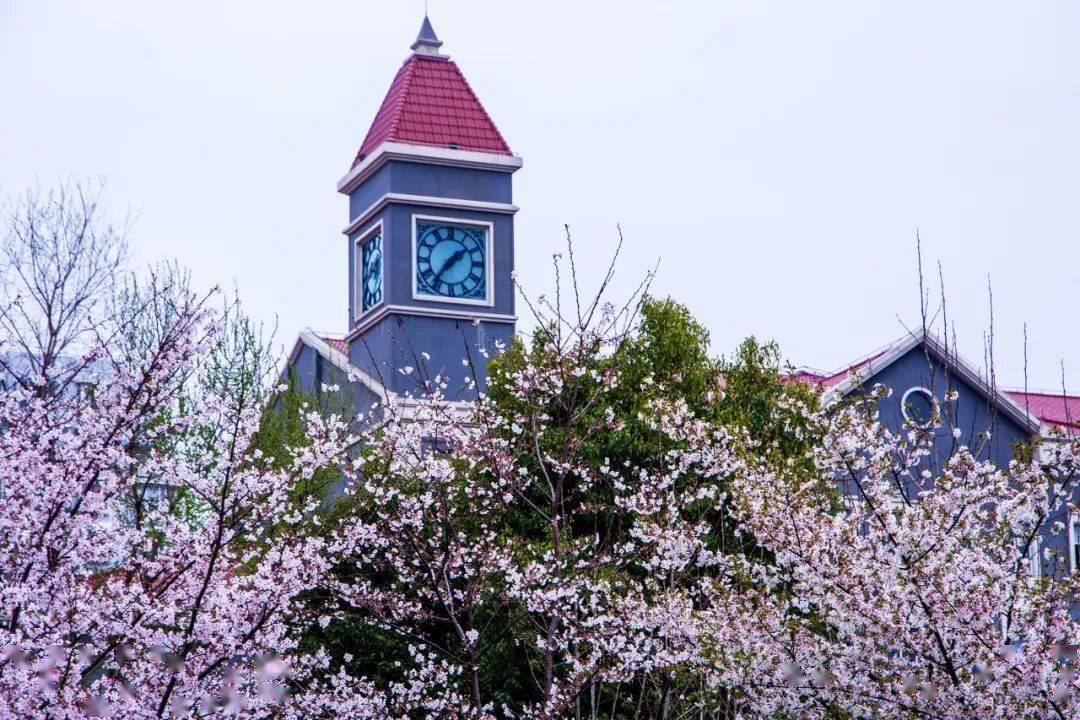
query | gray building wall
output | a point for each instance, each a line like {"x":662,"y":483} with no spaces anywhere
{"x":311,"y":372}
{"x":445,"y":331}
{"x":397,"y":341}
{"x":974,"y":414}
{"x":971,"y":411}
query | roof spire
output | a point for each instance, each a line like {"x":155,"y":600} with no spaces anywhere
{"x":427,"y":42}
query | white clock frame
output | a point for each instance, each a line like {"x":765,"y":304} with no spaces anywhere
{"x":489,"y":261}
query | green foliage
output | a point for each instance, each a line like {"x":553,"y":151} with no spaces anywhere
{"x":671,"y":350}
{"x":282,"y":433}
{"x":757,"y":396}
{"x":665,"y":357}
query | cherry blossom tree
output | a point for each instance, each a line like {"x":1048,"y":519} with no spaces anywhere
{"x":181,"y":606}
{"x":491,"y":522}
{"x":923,"y":595}
{"x":150,"y":554}
{"x":870,"y":581}
{"x":60,"y":259}
{"x":618,"y":527}
{"x":552,"y":543}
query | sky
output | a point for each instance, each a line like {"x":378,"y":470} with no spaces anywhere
{"x":775,"y":158}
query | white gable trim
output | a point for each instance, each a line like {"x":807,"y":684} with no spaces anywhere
{"x":339,"y":360}
{"x":368,"y":321}
{"x":873,"y":367}
{"x":408,"y":407}
{"x":953,"y":362}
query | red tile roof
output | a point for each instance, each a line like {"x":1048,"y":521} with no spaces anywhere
{"x":430,"y":103}
{"x":1059,"y":410}
{"x":338,"y":344}
{"x":829,"y":379}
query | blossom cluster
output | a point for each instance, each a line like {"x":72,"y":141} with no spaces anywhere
{"x":154,"y":562}
{"x":148,"y":563}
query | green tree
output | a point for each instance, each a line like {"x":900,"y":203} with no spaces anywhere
{"x":663,"y":355}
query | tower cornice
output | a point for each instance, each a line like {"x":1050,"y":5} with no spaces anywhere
{"x":388,"y":151}
{"x":429,"y":200}
{"x":468,"y":316}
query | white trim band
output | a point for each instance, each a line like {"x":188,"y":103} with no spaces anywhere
{"x":425,"y":154}
{"x":440,"y":202}
{"x":384,"y":310}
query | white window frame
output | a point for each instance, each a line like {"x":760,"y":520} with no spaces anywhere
{"x":375,"y":228}
{"x":1074,"y":518}
{"x":853,"y":503}
{"x":933,"y":402}
{"x":1034,"y":558}
{"x":489,"y":294}
{"x":84,"y":390}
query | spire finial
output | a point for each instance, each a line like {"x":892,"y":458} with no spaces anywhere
{"x":427,"y":42}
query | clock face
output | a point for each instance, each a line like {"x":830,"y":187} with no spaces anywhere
{"x":371,"y":272}
{"x":451,"y":261}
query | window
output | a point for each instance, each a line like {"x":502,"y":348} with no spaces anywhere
{"x":436,"y":446}
{"x":148,"y":497}
{"x":84,"y":391}
{"x":1035,"y":558}
{"x":919,"y":407}
{"x":1074,"y":542}
{"x":852,"y":501}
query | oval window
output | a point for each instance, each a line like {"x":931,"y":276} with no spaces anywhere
{"x":919,"y":406}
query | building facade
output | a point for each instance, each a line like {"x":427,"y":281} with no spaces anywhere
{"x":429,"y":242}
{"x":934,"y":387}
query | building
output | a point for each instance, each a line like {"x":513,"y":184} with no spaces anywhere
{"x":920,"y":368}
{"x":429,"y":242}
{"x":73,"y":376}
{"x":430,"y":249}
{"x":923,"y":373}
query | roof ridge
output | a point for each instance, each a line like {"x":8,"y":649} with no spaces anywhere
{"x":853,"y":365}
{"x":487,"y":116}
{"x":403,"y":94}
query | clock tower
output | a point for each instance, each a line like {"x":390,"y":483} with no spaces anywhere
{"x":430,"y":236}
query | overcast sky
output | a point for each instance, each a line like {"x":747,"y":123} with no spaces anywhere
{"x":775,"y":157}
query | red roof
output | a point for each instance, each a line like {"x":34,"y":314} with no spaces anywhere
{"x":338,"y":344}
{"x":1060,"y":410}
{"x":827,"y":380}
{"x":430,"y":103}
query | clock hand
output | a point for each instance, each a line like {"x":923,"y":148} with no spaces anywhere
{"x":450,"y":262}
